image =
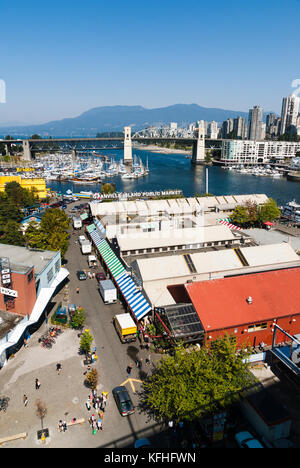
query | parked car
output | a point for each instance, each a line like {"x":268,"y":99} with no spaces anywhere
{"x":81,"y":275}
{"x":123,"y":401}
{"x":100,"y":276}
{"x":246,"y":440}
{"x":141,"y":443}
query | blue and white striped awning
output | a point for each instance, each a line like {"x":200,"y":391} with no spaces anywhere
{"x":134,"y":298}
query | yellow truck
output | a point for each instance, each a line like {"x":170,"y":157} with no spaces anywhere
{"x":126,"y":328}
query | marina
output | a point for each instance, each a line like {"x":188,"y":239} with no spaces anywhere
{"x":156,"y":172}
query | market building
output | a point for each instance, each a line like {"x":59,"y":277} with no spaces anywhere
{"x":161,"y":276}
{"x":248,"y":307}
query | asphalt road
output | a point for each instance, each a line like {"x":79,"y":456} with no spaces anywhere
{"x":114,"y":357}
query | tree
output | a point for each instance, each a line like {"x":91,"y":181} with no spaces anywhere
{"x":35,"y":137}
{"x":86,"y":342}
{"x":12,"y":234}
{"x":252,"y":211}
{"x":239,"y":215}
{"x":92,"y":378}
{"x":269,"y":211}
{"x":51,"y":233}
{"x":108,"y":188}
{"x":187,"y":386}
{"x":78,"y":318}
{"x":41,"y":411}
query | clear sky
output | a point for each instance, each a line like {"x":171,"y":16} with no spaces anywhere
{"x":61,"y":58}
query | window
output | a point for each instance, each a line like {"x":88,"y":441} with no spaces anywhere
{"x":257,"y":327}
{"x":30,"y":276}
{"x":50,"y":275}
{"x":57,"y":266}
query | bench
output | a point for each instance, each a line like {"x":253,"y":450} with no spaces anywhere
{"x":22,"y":435}
{"x":78,"y":421}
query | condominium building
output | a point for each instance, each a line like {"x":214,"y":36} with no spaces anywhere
{"x":240,"y":127}
{"x":255,"y":120}
{"x":289,"y":112}
{"x":213,"y":129}
{"x":241,"y":152}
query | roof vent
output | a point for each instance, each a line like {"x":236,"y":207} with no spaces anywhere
{"x":249,"y":300}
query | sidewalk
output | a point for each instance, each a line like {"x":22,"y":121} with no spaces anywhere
{"x":64,"y":394}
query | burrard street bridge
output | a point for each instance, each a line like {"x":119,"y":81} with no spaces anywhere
{"x":84,"y":144}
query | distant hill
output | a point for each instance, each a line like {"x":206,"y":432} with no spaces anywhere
{"x":114,"y":118}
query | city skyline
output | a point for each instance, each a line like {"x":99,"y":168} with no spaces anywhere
{"x":151,"y":56}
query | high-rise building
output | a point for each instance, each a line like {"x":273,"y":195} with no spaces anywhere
{"x":270,"y":120}
{"x":289,"y":112}
{"x":227,"y":127}
{"x":255,"y":120}
{"x":240,"y":128}
{"x":213,"y":129}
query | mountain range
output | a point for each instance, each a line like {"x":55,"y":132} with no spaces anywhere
{"x":115,"y":118}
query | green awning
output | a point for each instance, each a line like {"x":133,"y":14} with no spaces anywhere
{"x":84,"y":216}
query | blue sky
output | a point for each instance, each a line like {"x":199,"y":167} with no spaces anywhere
{"x":61,"y":58}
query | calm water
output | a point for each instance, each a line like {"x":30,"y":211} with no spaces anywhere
{"x":175,"y":171}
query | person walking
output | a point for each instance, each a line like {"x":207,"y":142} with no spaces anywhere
{"x":88,"y":404}
{"x":99,"y":424}
{"x":37,"y":384}
{"x":128,"y":370}
{"x":77,"y":290}
{"x":65,"y":427}
{"x":25,"y":400}
{"x":58,"y":368}
{"x":60,"y":425}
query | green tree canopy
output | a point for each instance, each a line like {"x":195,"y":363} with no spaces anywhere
{"x":187,"y":386}
{"x":12,"y":234}
{"x":269,"y":211}
{"x":86,"y":342}
{"x":239,"y":215}
{"x":51,"y":233}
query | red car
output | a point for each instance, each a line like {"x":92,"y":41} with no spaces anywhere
{"x":100,"y":277}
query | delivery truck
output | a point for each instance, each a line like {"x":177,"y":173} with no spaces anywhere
{"x":86,"y":247}
{"x":125,"y":327}
{"x":77,"y":223}
{"x":82,"y":239}
{"x":108,"y":291}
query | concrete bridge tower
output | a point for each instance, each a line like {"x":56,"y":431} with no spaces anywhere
{"x":26,"y":151}
{"x":198,"y":156}
{"x":127,"y":145}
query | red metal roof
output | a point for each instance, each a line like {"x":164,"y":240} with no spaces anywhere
{"x":222,"y":303}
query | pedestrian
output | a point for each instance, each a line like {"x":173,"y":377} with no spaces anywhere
{"x":25,"y":343}
{"x":148,"y":360}
{"x":88,"y":405}
{"x":25,"y":400}
{"x":65,"y":427}
{"x":129,"y":369}
{"x":77,"y":290}
{"x":99,"y":424}
{"x":37,"y":384}
{"x":139,"y":364}
{"x":60,"y":425}
{"x":93,"y":358}
{"x":58,"y":368}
